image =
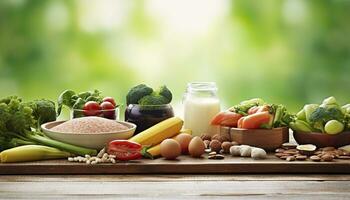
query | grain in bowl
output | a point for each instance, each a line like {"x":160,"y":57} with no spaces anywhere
{"x":91,"y":125}
{"x":92,"y":132}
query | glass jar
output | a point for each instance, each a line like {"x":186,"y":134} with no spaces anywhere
{"x":201,"y":104}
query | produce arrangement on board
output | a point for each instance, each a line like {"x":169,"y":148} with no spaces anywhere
{"x":251,"y":130}
{"x":257,"y":123}
{"x":254,"y":114}
{"x":327,"y":124}
{"x":328,"y":117}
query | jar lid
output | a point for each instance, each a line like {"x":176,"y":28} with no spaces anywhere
{"x":201,"y":86}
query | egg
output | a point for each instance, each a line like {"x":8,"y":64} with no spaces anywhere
{"x":196,"y":147}
{"x":184,"y":140}
{"x":170,"y":149}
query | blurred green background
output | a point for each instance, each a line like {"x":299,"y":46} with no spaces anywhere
{"x":291,"y":52}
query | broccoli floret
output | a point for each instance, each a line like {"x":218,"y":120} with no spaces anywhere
{"x":165,"y":92}
{"x":43,"y":110}
{"x":153,"y":99}
{"x":137,"y":92}
{"x":322,"y":115}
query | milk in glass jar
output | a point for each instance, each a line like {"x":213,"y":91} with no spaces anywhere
{"x":201,"y":104}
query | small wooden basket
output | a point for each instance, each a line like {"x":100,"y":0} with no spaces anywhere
{"x":268,"y":139}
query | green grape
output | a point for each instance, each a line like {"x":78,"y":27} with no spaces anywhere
{"x":334,"y":127}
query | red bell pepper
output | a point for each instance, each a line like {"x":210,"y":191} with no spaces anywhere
{"x":127,"y":150}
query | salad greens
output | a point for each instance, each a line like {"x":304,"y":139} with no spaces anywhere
{"x":315,"y":117}
{"x":243,"y":107}
{"x":19,"y":125}
{"x":77,"y":100}
{"x":280,"y":115}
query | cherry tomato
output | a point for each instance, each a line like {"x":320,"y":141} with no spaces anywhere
{"x":255,"y":121}
{"x":92,"y":108}
{"x":109,"y":99}
{"x":125,"y":150}
{"x":108,"y":110}
{"x":226,"y":118}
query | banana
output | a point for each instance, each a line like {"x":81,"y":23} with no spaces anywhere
{"x":157,"y":133}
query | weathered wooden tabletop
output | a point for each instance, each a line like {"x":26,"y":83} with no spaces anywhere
{"x":175,"y":186}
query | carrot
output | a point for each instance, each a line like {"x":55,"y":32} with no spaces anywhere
{"x":255,"y":121}
{"x":226,"y":118}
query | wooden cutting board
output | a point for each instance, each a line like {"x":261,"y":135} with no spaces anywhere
{"x":184,"y":165}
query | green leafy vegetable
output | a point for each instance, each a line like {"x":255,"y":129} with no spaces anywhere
{"x":309,"y":109}
{"x":244,"y":106}
{"x":65,"y":98}
{"x":18,"y":123}
{"x":317,"y":116}
{"x":281,"y":118}
{"x":76,"y":101}
{"x":322,"y":115}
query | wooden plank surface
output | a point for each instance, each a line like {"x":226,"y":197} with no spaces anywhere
{"x":184,"y":165}
{"x":176,"y":187}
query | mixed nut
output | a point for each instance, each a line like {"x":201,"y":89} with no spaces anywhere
{"x":309,"y":151}
{"x":101,"y":157}
{"x":217,"y":145}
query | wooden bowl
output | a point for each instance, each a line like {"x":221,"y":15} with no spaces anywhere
{"x":322,"y":139}
{"x":268,"y":139}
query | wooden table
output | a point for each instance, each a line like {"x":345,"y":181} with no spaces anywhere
{"x":127,"y":180}
{"x":247,"y":186}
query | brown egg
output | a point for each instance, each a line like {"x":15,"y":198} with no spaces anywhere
{"x":170,"y":149}
{"x":184,"y":140}
{"x":196,"y":147}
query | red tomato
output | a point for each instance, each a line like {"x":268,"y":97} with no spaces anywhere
{"x":92,"y":108}
{"x":253,"y":110}
{"x":109,"y":99}
{"x":254,"y":121}
{"x":226,"y":118}
{"x":125,"y":150}
{"x":108,"y":110}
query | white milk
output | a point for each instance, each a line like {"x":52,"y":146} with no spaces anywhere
{"x":198,"y":113}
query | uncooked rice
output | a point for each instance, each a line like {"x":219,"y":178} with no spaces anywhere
{"x":89,"y":125}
